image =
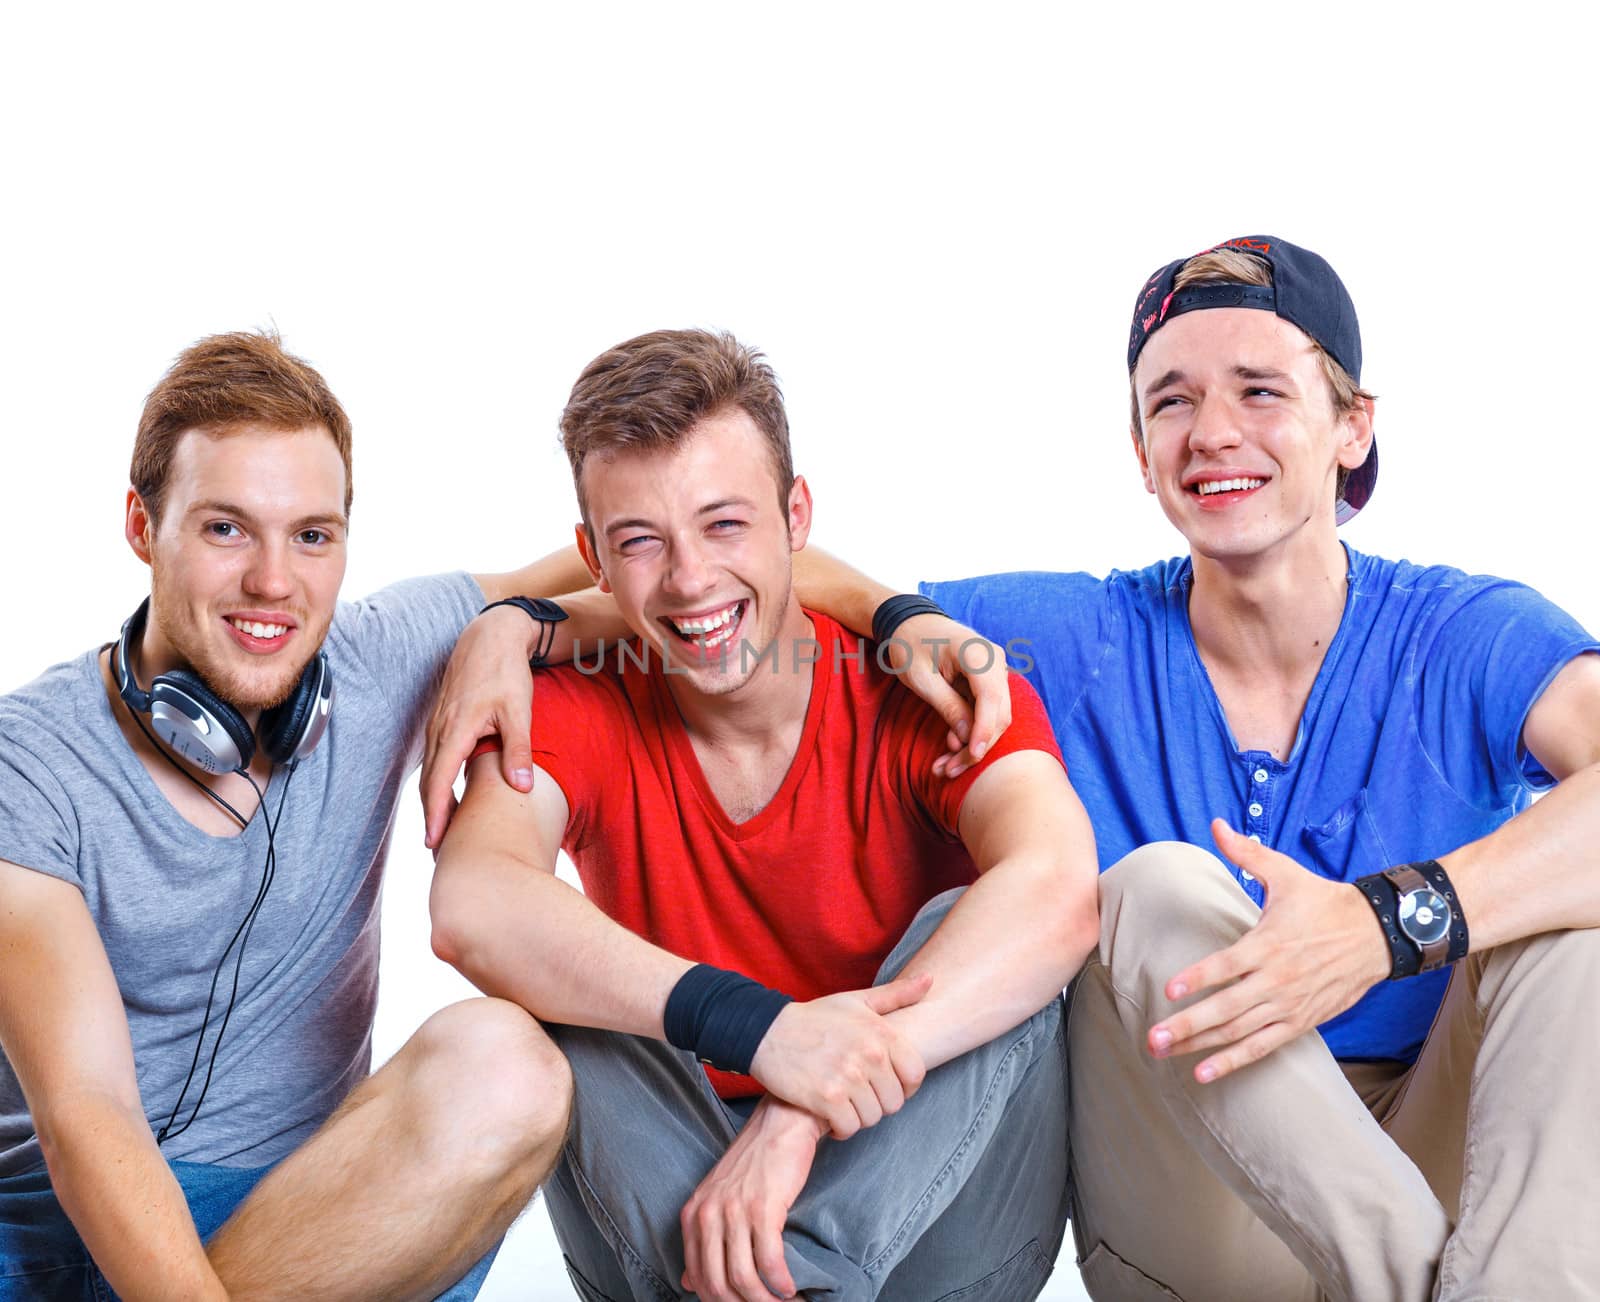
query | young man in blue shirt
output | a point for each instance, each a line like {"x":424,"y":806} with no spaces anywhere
{"x":1325,"y":718}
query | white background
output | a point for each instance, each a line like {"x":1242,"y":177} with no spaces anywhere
{"x":933,"y":218}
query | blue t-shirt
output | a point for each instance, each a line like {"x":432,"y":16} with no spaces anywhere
{"x":1410,"y":744}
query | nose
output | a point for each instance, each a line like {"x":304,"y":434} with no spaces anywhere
{"x":267,"y":575}
{"x":688,"y":576}
{"x":1214,"y":429}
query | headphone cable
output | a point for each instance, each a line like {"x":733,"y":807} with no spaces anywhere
{"x":241,"y":937}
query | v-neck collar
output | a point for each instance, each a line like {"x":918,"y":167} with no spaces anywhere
{"x":1319,"y":685}
{"x":681,"y":752}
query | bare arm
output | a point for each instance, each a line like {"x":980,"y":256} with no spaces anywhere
{"x":513,"y":929}
{"x":1537,"y":872}
{"x":1024,"y":928}
{"x":65,"y":1034}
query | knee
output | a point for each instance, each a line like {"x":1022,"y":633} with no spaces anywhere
{"x":1172,"y":901}
{"x":495,"y":1084}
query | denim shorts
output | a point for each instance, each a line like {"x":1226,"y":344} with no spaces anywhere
{"x":42,"y":1259}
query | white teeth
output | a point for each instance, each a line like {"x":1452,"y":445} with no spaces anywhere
{"x":707,"y":623}
{"x":1227,"y":486}
{"x":257,"y":629}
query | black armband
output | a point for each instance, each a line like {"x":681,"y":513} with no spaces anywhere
{"x":894,"y":611}
{"x":719,"y":1016}
{"x":543,"y":612}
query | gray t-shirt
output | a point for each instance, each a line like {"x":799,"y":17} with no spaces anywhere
{"x":77,"y":804}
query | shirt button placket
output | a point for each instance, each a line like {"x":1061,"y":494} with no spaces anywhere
{"x":1255,"y":823}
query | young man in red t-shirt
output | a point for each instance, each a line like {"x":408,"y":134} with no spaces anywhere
{"x":778,"y":883}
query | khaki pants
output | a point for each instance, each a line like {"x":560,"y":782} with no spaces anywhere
{"x":1475,"y":1174}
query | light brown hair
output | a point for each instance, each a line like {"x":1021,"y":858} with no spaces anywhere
{"x":649,"y":392}
{"x":1236,"y":267}
{"x":224,"y":382}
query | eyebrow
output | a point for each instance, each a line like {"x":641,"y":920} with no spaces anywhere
{"x":721,"y":504}
{"x":1175,"y":376}
{"x":219,"y":507}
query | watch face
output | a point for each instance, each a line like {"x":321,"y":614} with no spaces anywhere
{"x":1424,"y":916}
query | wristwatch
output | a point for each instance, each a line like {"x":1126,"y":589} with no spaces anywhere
{"x":1423,"y":915}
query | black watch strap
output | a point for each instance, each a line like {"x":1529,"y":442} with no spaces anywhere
{"x":1404,"y":957}
{"x":543,"y":612}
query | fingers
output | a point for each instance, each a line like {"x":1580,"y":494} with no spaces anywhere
{"x":948,"y":703}
{"x":908,"y":1066}
{"x":902,"y":992}
{"x":1214,"y":969}
{"x":1251,"y":1049}
{"x":1222,"y":1018}
{"x":725,"y":1258}
{"x":451,"y":747}
{"x":769,"y":1252}
{"x":516,"y":753}
{"x":991,"y":691}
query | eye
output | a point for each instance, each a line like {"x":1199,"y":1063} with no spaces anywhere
{"x":1259,"y":392}
{"x":222,"y":529}
{"x":634,"y":544}
{"x":1163,"y":403}
{"x":313,"y":537}
{"x":722,"y":526}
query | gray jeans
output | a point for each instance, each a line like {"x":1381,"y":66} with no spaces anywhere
{"x":963,"y":1193}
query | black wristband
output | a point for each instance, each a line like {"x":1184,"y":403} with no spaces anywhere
{"x":719,"y":1016}
{"x":894,"y":611}
{"x":543,"y":612}
{"x":1405,"y":959}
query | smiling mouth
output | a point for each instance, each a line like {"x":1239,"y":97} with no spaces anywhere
{"x":1211,"y":487}
{"x":710,"y":631}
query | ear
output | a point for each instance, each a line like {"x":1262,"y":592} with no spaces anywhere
{"x":1144,"y":460}
{"x":586,"y":550}
{"x":1355,"y":434}
{"x":799,"y":513}
{"x":137,"y":527}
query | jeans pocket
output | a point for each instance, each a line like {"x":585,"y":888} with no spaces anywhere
{"x":587,"y":1291}
{"x":1108,"y":1278}
{"x":1020,"y":1277}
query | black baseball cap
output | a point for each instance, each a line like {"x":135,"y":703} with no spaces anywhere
{"x":1305,"y":291}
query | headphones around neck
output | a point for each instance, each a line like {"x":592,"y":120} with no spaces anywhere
{"x":208,"y":732}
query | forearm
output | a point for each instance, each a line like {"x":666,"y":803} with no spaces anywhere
{"x":524,"y":935}
{"x":1010,"y":945}
{"x":825,"y":583}
{"x":550,"y":576}
{"x":1536,"y":873}
{"x":111,"y":1180}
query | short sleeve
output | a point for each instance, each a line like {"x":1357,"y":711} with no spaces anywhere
{"x":38,"y":825}
{"x":401,"y":636}
{"x":924,"y":733}
{"x":1490,"y":651}
{"x":578,"y":738}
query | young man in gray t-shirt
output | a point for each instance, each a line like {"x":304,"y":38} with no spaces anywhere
{"x":162,"y":878}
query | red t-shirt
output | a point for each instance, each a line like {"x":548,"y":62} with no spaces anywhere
{"x":811,"y":894}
